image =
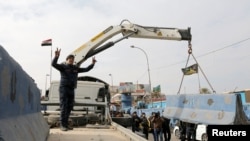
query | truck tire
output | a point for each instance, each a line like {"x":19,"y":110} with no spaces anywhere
{"x":77,"y":120}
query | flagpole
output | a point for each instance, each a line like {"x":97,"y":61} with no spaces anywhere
{"x":48,"y":42}
{"x":50,"y":62}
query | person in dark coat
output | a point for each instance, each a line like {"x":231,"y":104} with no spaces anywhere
{"x":145,"y":124}
{"x":157,"y":121}
{"x":68,"y":83}
{"x":135,"y":122}
{"x":151,"y":125}
{"x":166,"y":129}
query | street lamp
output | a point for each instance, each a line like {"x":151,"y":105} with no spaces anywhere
{"x":148,"y":67}
{"x":111,"y":80}
{"x":46,"y":82}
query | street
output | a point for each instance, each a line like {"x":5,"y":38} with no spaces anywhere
{"x":151,"y":138}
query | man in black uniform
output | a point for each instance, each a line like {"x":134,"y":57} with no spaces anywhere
{"x":68,"y":82}
{"x":145,"y":124}
{"x":135,"y":122}
{"x":166,"y":129}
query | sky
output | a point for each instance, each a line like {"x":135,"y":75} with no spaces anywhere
{"x":220,"y":41}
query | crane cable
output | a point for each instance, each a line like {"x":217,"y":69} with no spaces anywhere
{"x":190,"y":53}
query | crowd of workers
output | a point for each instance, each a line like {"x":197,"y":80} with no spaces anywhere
{"x":155,"y":124}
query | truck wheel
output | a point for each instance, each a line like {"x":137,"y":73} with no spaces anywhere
{"x":177,"y":133}
{"x":204,"y":137}
{"x":77,"y":120}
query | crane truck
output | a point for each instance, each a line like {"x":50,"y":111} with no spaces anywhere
{"x":21,"y":117}
{"x":92,"y":94}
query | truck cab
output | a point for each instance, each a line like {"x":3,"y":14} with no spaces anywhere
{"x":91,"y":101}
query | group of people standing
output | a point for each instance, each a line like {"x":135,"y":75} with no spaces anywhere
{"x":155,"y":124}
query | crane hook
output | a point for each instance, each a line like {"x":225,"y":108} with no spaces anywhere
{"x":189,"y":47}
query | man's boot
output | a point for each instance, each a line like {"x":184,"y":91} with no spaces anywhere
{"x":63,"y":128}
{"x":69,"y":128}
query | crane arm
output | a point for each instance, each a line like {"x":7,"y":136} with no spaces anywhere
{"x":93,"y":46}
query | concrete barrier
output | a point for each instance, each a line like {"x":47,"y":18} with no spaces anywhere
{"x":216,"y":109}
{"x":20,"y":109}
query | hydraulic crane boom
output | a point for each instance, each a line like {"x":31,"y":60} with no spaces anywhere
{"x":93,"y":47}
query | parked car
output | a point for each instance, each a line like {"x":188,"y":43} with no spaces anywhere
{"x":201,"y":132}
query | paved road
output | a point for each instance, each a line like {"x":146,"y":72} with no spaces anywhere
{"x":150,"y":138}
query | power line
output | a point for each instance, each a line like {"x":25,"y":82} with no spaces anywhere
{"x":236,"y":43}
{"x":180,"y":62}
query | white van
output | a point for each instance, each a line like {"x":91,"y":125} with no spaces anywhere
{"x":200,"y":132}
{"x":91,"y":102}
{"x":87,"y":94}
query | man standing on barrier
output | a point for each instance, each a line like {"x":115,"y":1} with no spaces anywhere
{"x":68,"y":83}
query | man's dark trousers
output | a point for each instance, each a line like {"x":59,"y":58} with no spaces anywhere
{"x":66,"y":104}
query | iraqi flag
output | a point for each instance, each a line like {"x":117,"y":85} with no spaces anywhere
{"x":47,"y":42}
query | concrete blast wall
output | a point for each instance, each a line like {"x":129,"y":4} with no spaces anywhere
{"x":20,"y":109}
{"x":216,"y":109}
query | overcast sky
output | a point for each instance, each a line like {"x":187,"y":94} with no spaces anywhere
{"x":220,"y":40}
